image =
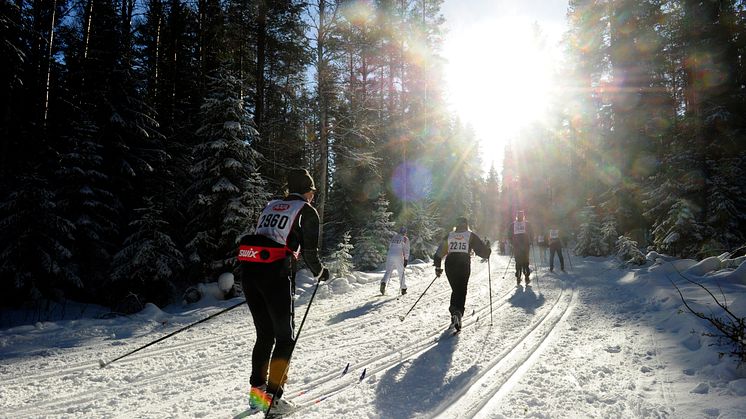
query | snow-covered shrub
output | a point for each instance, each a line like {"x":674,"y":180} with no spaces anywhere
{"x":340,"y":261}
{"x":628,"y":252}
{"x":422,"y":229}
{"x":679,"y":233}
{"x":609,"y":233}
{"x":372,"y":244}
{"x":589,"y":237}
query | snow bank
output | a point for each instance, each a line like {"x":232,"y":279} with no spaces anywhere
{"x":674,"y":266}
{"x":739,"y":275}
{"x":704,"y":266}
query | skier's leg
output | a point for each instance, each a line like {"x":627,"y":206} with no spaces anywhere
{"x":280,"y":305}
{"x":265,"y":338}
{"x":402,"y":281}
{"x":562,"y":259}
{"x":552,"y":251}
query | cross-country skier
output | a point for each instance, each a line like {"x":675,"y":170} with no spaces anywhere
{"x":520,"y":235}
{"x":457,"y":246}
{"x":286,"y":228}
{"x":397,"y":260}
{"x":555,"y":246}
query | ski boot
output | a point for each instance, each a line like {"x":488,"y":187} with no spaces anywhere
{"x":403,"y":291}
{"x":383,"y":288}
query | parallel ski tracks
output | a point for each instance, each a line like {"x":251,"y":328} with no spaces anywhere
{"x":311,"y":391}
{"x":503,"y":372}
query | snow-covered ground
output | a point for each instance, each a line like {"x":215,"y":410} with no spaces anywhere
{"x":599,"y":341}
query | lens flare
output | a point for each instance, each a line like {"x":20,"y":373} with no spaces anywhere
{"x":411,"y":181}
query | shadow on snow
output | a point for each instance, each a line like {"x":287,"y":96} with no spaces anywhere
{"x":420,"y":385}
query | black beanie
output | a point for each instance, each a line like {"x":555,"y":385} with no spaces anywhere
{"x":300,"y":181}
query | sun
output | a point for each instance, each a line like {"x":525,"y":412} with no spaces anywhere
{"x":499,"y":76}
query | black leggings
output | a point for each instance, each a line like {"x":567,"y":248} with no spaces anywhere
{"x":269,"y":294}
{"x":458,"y":276}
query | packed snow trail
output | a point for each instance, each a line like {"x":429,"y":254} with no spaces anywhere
{"x":596,"y":342}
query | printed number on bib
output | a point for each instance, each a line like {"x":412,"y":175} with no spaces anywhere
{"x":274,"y":220}
{"x":519,"y":227}
{"x":553,"y":234}
{"x":458,"y":246}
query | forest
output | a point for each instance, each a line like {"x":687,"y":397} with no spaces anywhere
{"x":140,"y":139}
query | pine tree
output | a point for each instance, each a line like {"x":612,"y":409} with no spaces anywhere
{"x":422,"y":230}
{"x":224,"y":182}
{"x":628,"y":252}
{"x":340,"y":261}
{"x":149,"y":260}
{"x":589,"y":241}
{"x":679,"y":233}
{"x":372,"y":244}
{"x":609,"y":233}
{"x":35,"y":249}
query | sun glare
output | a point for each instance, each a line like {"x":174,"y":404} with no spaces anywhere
{"x":499,"y":80}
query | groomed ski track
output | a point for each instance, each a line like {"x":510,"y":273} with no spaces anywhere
{"x":475,"y":367}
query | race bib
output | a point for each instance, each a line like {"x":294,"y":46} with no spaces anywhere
{"x":519,"y":227}
{"x":554,"y":234}
{"x":458,"y":242}
{"x":540,"y":239}
{"x":277,"y":219}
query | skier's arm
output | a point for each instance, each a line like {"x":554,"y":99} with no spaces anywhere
{"x":440,"y":253}
{"x":308,"y":223}
{"x":481,"y":249}
{"x":405,"y":247}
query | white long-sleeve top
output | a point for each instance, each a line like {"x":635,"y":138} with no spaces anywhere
{"x":399,"y":246}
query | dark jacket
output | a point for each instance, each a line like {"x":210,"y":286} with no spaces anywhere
{"x":520,"y":242}
{"x":305,"y":232}
{"x":475,"y":244}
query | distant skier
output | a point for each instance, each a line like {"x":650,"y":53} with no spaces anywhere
{"x":457,"y":246}
{"x":397,"y":260}
{"x":555,"y":246}
{"x":286,"y":228}
{"x":541,"y":244}
{"x":520,"y":235}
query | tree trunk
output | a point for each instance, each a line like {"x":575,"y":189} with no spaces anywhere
{"x":321,"y":71}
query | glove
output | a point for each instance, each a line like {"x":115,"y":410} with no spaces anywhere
{"x":405,"y":263}
{"x":438,"y":272}
{"x":324,"y":275}
{"x":487,"y":243}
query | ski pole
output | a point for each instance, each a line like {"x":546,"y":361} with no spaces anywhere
{"x":489,"y":279}
{"x":297,"y":336}
{"x":418,"y":300}
{"x":508,"y":265}
{"x":102,"y":363}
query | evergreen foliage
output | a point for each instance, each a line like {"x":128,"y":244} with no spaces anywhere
{"x":340,"y":261}
{"x":589,"y":241}
{"x":628,"y":252}
{"x":422,"y":230}
{"x":149,"y":259}
{"x":372,"y":243}
{"x":223,"y":180}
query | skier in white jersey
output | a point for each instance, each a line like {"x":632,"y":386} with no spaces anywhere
{"x":286,"y":228}
{"x":397,"y":260}
{"x":456,"y":247}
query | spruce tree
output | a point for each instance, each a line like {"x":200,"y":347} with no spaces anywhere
{"x":35,"y":248}
{"x":372,"y":243}
{"x":149,"y":260}
{"x":589,"y":241}
{"x":423,"y":226}
{"x":340,"y":261}
{"x":223,"y":196}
